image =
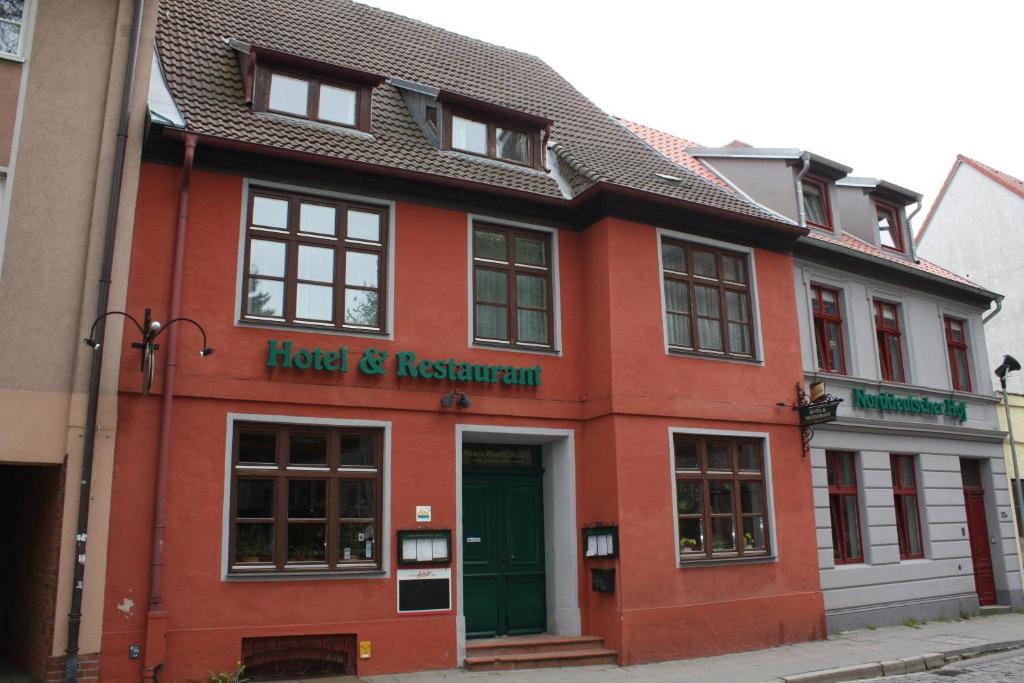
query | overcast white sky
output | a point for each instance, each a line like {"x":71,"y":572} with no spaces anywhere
{"x":894,"y":89}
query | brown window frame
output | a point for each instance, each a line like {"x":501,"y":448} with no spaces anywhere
{"x":825,"y":201}
{"x":837,"y":512}
{"x":736,"y":476}
{"x":902,"y":489}
{"x":281,"y":474}
{"x":340,"y":242}
{"x":823,"y":319}
{"x":692,"y":281}
{"x":492,"y":124}
{"x":897,"y":226}
{"x":953,"y":348}
{"x":883,"y":333}
{"x":511,"y":269}
{"x":364,"y":96}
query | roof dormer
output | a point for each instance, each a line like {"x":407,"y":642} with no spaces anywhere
{"x":889,"y":201}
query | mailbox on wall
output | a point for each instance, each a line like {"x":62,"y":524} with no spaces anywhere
{"x":601,"y":542}
{"x":424,"y":546}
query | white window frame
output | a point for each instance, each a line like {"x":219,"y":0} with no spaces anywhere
{"x":755,"y":305}
{"x":556,"y":297}
{"x":385,"y":522}
{"x":764,"y":438}
{"x":248,"y":185}
{"x":25,"y":27}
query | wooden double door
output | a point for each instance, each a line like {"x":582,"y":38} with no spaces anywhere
{"x":503,"y":578}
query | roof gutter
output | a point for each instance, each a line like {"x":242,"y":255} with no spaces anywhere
{"x":995,"y":311}
{"x":805,"y":159}
{"x":95,"y":372}
{"x":784,"y":229}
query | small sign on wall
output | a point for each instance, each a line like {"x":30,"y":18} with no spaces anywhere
{"x":424,"y":590}
{"x":423,"y":513}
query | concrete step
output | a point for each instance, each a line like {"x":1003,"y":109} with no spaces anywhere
{"x":539,"y":660}
{"x":524,"y":644}
{"x":989,"y":610}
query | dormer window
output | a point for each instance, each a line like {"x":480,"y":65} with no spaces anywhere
{"x":313,"y":98}
{"x":817,"y":209}
{"x":487,"y":138}
{"x":889,"y":233}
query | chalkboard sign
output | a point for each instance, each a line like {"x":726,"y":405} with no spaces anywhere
{"x":423,"y":590}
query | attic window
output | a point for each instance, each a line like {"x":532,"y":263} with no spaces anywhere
{"x":889,"y":233}
{"x":475,"y":134}
{"x":312,"y":98}
{"x":817,"y":211}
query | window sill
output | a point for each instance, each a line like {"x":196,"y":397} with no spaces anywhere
{"x":476,"y":344}
{"x":8,"y":57}
{"x":313,"y":329}
{"x":686,"y":353}
{"x":367,"y":573}
{"x":723,"y":562}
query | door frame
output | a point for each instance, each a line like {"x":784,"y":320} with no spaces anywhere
{"x":558,"y":458}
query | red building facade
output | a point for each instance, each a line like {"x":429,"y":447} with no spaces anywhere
{"x":439,"y":401}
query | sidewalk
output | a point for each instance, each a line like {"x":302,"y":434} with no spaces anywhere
{"x":845,"y":649}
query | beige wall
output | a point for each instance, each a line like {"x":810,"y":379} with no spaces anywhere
{"x":1017,"y":416}
{"x":59,"y":183}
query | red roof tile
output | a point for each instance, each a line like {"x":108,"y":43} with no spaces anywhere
{"x":674,"y":148}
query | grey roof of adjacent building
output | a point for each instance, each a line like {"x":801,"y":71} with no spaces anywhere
{"x":588,"y":146}
{"x":789,"y":153}
{"x":872,"y":185}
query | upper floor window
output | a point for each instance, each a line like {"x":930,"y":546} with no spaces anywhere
{"x":956,"y":345}
{"x":512,"y":300}
{"x":889,"y":232}
{"x":707,"y":299}
{"x":844,"y":507}
{"x":828,"y":330}
{"x":307,"y":97}
{"x":315,"y":261}
{"x":721,"y":497}
{"x":477,"y":135}
{"x":817,"y":209}
{"x":890,"y":341}
{"x":12,"y":18}
{"x":904,"y":491}
{"x":305,"y":499}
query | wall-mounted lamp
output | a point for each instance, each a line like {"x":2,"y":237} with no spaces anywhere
{"x":150,"y":330}
{"x":453,"y":397}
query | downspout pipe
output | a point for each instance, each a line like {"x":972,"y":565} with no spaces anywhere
{"x":156,"y":618}
{"x":910,"y":230}
{"x":995,"y":311}
{"x":805,"y":158}
{"x":96,"y":370}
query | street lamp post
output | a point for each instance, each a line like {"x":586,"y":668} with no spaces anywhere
{"x":1009,"y":365}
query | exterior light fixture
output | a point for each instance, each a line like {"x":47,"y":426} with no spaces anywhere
{"x":456,"y":397}
{"x":150,"y":330}
{"x":1011,"y":364}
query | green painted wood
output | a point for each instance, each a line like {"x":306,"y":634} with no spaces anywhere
{"x":503,"y":572}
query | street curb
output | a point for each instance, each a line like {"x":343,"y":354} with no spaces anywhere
{"x":906,"y":665}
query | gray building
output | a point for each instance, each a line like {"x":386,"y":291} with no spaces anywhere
{"x":913,"y":516}
{"x":975,"y":227}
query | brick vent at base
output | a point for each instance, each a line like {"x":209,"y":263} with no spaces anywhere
{"x":88,"y":668}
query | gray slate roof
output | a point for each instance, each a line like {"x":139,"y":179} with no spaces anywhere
{"x":589,"y":146}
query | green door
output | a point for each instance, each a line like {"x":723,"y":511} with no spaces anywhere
{"x":503,"y":550}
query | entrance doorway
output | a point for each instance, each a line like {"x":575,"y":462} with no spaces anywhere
{"x":977,"y":531}
{"x":503,"y":540}
{"x":30,"y":513}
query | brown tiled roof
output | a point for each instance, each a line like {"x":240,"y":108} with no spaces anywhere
{"x":1005,"y":179}
{"x":589,"y":145}
{"x":675,"y":148}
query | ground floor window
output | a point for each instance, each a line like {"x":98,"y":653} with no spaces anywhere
{"x":847,"y":547}
{"x":908,"y":521}
{"x":721,"y":497}
{"x":305,"y":498}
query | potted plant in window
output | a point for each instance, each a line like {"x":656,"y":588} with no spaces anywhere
{"x":687,"y":545}
{"x":251,"y":546}
{"x":748,"y":540}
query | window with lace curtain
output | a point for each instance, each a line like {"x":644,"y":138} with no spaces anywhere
{"x":512,"y":301}
{"x":476,"y":134}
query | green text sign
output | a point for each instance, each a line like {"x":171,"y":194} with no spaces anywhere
{"x":910,"y":404}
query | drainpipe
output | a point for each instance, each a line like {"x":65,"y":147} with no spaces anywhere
{"x":156,"y":618}
{"x":96,"y":370}
{"x":806,"y":159}
{"x":995,"y":311}
{"x":913,"y":244}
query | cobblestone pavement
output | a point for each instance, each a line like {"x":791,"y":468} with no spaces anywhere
{"x":1007,"y":667}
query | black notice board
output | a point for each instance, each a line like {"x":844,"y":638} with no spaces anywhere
{"x":418,"y":595}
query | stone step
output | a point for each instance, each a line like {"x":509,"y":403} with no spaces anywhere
{"x":527,"y":644}
{"x":539,"y":660}
{"x":989,"y":610}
